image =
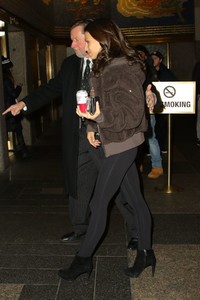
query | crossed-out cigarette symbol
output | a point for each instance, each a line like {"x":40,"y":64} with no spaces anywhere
{"x":169,"y":91}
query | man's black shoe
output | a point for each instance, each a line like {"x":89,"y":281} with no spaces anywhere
{"x":72,"y":236}
{"x":133,"y":243}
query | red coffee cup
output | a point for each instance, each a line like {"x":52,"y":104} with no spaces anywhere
{"x":82,"y":98}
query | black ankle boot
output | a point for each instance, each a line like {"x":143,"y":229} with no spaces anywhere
{"x":144,"y":259}
{"x":79,"y":266}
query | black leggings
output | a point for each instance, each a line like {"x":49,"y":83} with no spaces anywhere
{"x":117,"y":171}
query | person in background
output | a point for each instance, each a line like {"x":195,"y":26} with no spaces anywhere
{"x":154,"y":148}
{"x":196,"y":77}
{"x":11,"y":93}
{"x":117,"y":80}
{"x":163,"y":74}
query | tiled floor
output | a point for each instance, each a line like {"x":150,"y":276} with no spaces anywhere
{"x":34,"y":215}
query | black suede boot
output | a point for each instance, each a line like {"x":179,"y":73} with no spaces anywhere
{"x":79,"y":266}
{"x":144,"y":259}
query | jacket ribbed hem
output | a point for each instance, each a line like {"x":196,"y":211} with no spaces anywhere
{"x":115,"y":148}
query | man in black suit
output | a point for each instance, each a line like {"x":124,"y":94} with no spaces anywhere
{"x":80,"y":160}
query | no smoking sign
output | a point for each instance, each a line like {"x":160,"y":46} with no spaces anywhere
{"x":178,"y":96}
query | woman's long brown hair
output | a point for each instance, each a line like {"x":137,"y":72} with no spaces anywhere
{"x":113,"y":44}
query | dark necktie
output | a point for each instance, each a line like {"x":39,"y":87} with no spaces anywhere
{"x":85,"y":79}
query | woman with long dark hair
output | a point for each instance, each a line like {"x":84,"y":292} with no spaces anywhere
{"x":117,"y":81}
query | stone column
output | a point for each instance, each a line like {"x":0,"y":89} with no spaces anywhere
{"x":4,"y":161}
{"x":18,"y":57}
{"x":197,"y":29}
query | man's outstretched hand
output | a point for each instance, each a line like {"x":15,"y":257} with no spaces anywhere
{"x":15,"y":108}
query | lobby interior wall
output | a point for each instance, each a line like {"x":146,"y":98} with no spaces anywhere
{"x":38,"y":14}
